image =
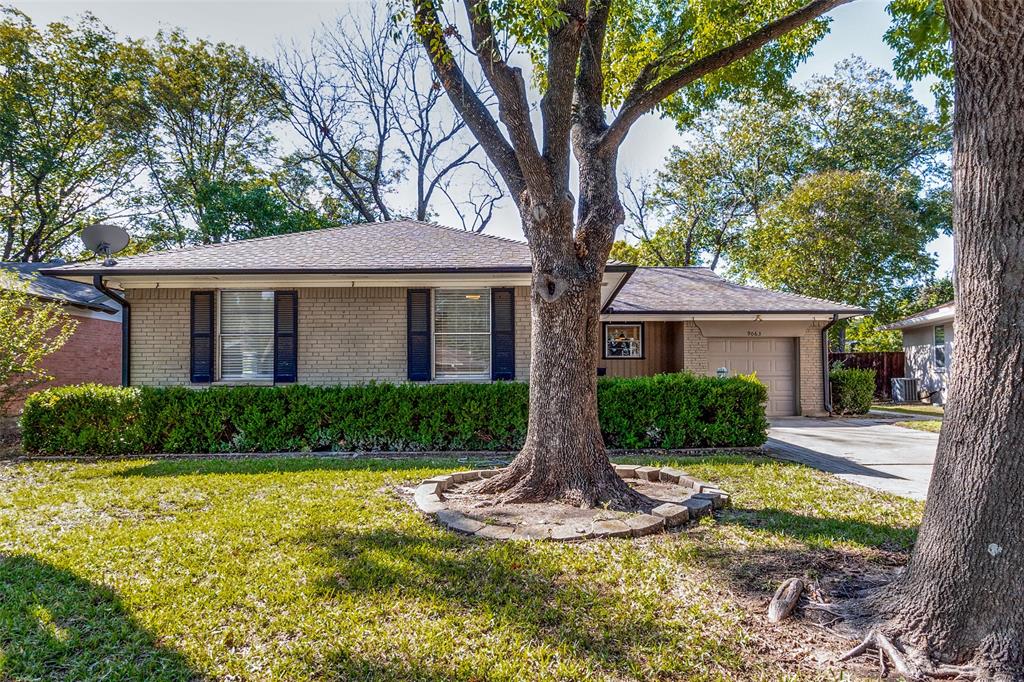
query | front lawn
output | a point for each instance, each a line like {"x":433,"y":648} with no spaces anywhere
{"x":930,"y":425}
{"x":315,"y":569}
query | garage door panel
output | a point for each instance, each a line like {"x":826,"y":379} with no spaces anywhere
{"x":772,"y":359}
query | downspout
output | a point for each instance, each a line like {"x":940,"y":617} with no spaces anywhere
{"x":824,"y":363}
{"x":126,"y":327}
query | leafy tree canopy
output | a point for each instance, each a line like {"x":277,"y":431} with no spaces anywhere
{"x":746,"y":158}
{"x":71,"y":114}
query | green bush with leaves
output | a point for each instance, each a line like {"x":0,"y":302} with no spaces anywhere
{"x":665,"y":411}
{"x":852,"y":389}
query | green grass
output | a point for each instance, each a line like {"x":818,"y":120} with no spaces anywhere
{"x":930,"y":425}
{"x":910,"y":408}
{"x":314,"y":569}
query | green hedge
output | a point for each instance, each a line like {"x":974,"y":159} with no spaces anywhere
{"x":852,"y":389}
{"x":666,"y":411}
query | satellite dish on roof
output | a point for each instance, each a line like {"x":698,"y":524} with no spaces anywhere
{"x":105,"y":240}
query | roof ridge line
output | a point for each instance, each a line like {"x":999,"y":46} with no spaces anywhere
{"x":194,"y":247}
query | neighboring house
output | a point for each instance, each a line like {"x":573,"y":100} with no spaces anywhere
{"x":410,"y":301}
{"x":93,"y":353}
{"x":928,"y":345}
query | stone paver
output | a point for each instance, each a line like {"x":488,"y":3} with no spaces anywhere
{"x":648,"y":473}
{"x":645,"y":524}
{"x":611,"y":528}
{"x":868,"y":452}
{"x":626,"y":470}
{"x":495,"y":532}
{"x":459,"y":521}
{"x":674,"y":514}
{"x":714,"y":498}
{"x":697,"y":507}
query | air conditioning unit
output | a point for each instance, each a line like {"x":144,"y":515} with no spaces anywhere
{"x":904,"y":390}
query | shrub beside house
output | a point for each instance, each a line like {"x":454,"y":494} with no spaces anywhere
{"x":664,"y":411}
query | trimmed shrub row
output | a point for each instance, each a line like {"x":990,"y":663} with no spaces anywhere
{"x":852,"y":389}
{"x":665,"y":411}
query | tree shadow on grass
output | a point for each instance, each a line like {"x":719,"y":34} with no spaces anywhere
{"x":56,"y":626}
{"x":816,"y":530}
{"x":519,"y":597}
{"x":867,"y":553}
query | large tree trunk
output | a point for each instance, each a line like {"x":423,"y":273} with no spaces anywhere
{"x":564,"y":457}
{"x":962,"y":596}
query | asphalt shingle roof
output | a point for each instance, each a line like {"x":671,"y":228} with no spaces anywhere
{"x":393,"y":246}
{"x":60,"y":290}
{"x":928,"y":316}
{"x":700,"y":290}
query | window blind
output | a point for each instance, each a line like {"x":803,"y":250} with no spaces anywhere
{"x":462,"y":334}
{"x":247,"y":334}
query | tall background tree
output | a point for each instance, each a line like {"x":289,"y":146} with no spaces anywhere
{"x":210,"y":141}
{"x":372,"y":116}
{"x":71,"y":116}
{"x":849,"y":172}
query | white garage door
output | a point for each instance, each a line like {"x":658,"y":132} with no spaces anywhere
{"x":773,"y":359}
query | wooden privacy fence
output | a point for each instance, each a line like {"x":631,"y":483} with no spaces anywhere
{"x":887,"y":365}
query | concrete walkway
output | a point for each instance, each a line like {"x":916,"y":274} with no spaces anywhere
{"x":869,"y":452}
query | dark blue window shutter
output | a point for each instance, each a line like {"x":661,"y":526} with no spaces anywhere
{"x":418,"y":326}
{"x":503,"y":334}
{"x":201,"y":325}
{"x":286,"y":328}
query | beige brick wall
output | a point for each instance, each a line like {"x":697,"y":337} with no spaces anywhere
{"x":522,"y":333}
{"x":160,"y":336}
{"x":346,"y":335}
{"x":352,"y":335}
{"x":695,"y":350}
{"x":812,"y":381}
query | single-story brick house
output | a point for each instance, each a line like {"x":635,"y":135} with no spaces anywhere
{"x":412,"y":301}
{"x":93,"y":353}
{"x":928,"y":347}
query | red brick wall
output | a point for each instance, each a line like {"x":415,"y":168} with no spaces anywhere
{"x":91,"y":355}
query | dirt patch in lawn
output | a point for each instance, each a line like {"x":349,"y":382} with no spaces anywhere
{"x":465,"y":500}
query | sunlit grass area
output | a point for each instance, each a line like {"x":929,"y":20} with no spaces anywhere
{"x":910,"y":408}
{"x":931,"y":425}
{"x":316,"y":569}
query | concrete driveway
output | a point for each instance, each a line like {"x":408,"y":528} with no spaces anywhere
{"x":869,"y":452}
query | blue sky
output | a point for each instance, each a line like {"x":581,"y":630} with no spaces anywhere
{"x":857,"y":28}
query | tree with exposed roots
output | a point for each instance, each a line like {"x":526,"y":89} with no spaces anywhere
{"x":588,"y":57}
{"x":958,"y":608}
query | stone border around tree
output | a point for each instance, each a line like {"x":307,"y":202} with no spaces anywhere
{"x":701,"y":500}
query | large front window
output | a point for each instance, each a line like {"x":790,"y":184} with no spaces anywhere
{"x":462,"y":334}
{"x":247,"y":335}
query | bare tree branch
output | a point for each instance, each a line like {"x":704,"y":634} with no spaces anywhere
{"x":464,"y":98}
